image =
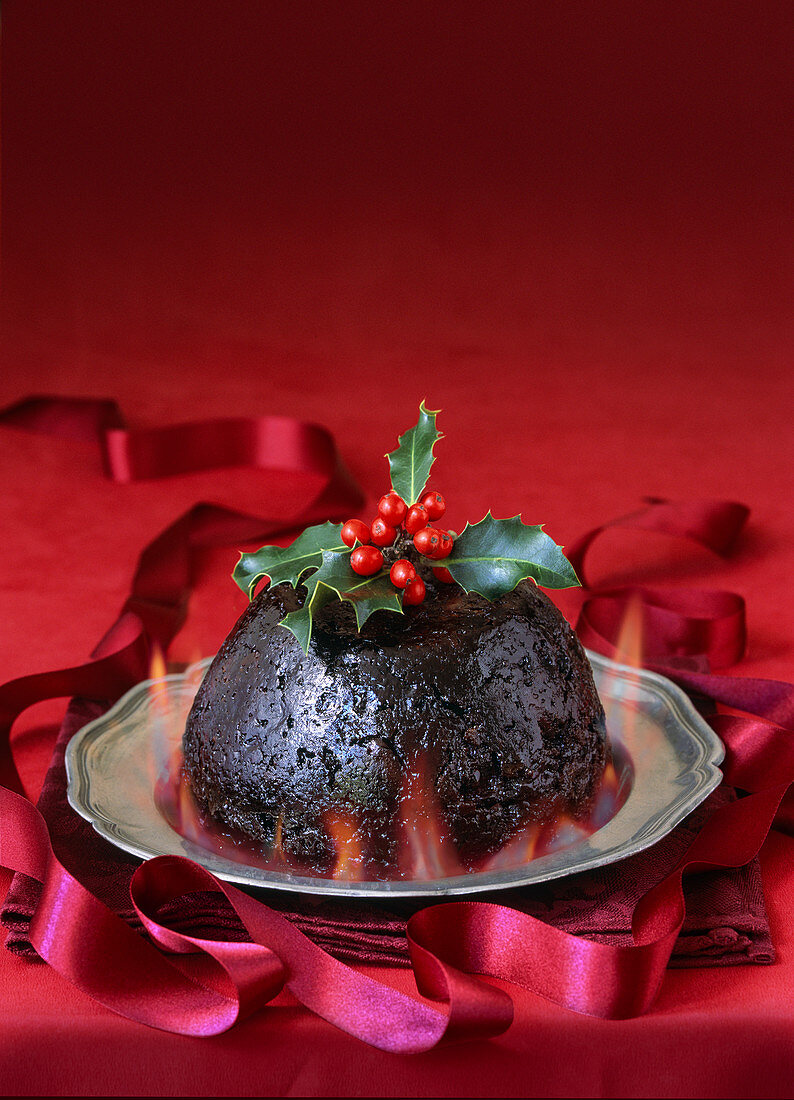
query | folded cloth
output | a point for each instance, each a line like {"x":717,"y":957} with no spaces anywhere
{"x":725,"y":923}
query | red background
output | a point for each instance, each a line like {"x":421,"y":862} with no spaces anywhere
{"x":568,"y":226}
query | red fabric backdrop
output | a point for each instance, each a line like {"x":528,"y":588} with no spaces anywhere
{"x":569,"y":227}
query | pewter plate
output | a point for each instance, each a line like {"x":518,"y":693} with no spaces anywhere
{"x":668,"y":758}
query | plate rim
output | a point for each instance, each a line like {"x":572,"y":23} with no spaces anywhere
{"x":705,"y":772}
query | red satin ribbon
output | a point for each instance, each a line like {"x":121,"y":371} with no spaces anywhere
{"x":678,"y":622}
{"x":715,"y":524}
{"x":90,"y":946}
{"x":264,"y":443}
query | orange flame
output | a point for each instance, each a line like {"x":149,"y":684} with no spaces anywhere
{"x":188,"y":818}
{"x":629,"y":644}
{"x":167,"y":714}
{"x":621,"y":693}
{"x":157,"y":665}
{"x":277,"y":854}
{"x":166,"y":724}
{"x":565,"y":831}
{"x":611,"y":794}
{"x":625,"y":702}
{"x":609,"y":783}
{"x":348,"y":847}
{"x":426,"y":850}
{"x":520,"y":850}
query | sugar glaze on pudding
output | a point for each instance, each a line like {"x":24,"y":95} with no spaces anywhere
{"x":491,"y":704}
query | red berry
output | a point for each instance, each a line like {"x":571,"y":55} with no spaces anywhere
{"x":402,"y":572}
{"x":355,"y":531}
{"x":392,"y":508}
{"x":414,"y":591}
{"x":366,"y":560}
{"x":443,"y":575}
{"x":427,"y":541}
{"x":382,"y":533}
{"x":435,"y":504}
{"x":416,"y":518}
{"x":444,"y":548}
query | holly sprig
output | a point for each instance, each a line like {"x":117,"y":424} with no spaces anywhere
{"x":383,"y":566}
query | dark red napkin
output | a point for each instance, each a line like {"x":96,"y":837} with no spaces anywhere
{"x":725,"y":923}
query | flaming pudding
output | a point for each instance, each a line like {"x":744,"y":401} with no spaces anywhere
{"x":338,"y":692}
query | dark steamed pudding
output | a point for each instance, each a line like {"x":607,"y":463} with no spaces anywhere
{"x":492,"y":703}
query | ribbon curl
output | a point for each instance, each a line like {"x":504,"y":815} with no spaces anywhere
{"x":449,"y":943}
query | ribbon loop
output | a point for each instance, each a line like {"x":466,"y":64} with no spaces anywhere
{"x":579,"y":974}
{"x":714,"y":524}
{"x":256,"y":975}
{"x":681,"y":622}
{"x":266,"y":443}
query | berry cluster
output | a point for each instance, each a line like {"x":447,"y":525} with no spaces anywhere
{"x":398,"y":525}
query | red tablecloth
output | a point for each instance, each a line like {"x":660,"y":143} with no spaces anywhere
{"x":568,"y":228}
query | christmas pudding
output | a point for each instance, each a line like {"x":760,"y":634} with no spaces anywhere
{"x":365,"y":671}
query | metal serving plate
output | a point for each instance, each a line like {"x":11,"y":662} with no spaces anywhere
{"x":670,"y":759}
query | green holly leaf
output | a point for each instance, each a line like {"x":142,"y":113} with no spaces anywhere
{"x":492,"y":556}
{"x":287,"y":563}
{"x":367,"y":594}
{"x":410,"y":464}
{"x":335,"y":579}
{"x":301,"y":622}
